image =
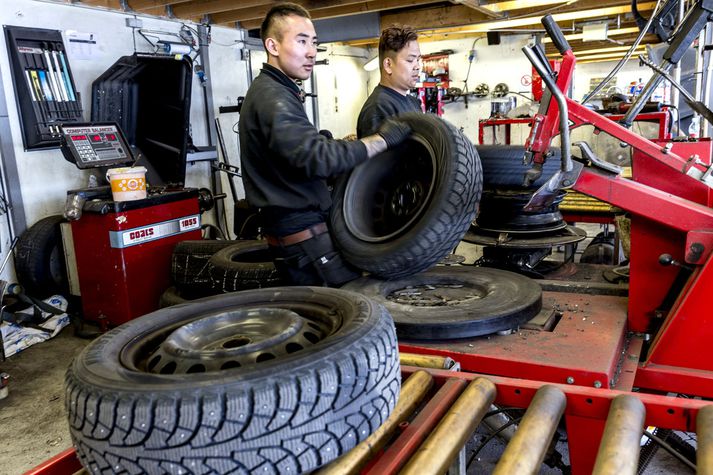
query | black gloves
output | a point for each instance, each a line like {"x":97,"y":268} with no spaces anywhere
{"x":393,"y":132}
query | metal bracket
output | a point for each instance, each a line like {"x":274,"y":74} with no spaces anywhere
{"x":589,"y":155}
{"x":704,"y":177}
{"x":230,"y":170}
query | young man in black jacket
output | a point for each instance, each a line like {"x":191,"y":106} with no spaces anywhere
{"x":400,"y":67}
{"x":285,"y":160}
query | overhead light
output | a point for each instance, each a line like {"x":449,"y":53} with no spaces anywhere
{"x":558,"y":17}
{"x":580,"y":36}
{"x":595,"y":32}
{"x":372,"y":64}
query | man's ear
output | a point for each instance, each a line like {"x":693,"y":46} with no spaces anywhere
{"x":388,"y":65}
{"x":271,"y":46}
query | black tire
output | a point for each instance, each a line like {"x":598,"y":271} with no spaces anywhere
{"x":503,"y":166}
{"x":189,"y":261}
{"x":402,"y":211}
{"x":39,"y":259}
{"x":244,"y":265}
{"x":289,"y":414}
{"x":173,"y":296}
{"x":599,"y":251}
{"x":423,"y":307}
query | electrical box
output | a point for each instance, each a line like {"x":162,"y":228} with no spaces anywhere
{"x":44,"y":87}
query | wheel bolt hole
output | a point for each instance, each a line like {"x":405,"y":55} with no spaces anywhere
{"x":153,"y":362}
{"x":311,"y":337}
{"x":230,"y":364}
{"x":236,"y":342}
{"x":264,"y":357}
{"x":170,"y":368}
{"x":196,"y":368}
{"x":292,"y":347}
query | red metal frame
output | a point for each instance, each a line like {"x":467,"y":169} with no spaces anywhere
{"x":670,"y":211}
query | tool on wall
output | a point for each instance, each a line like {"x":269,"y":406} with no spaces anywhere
{"x":44,"y":89}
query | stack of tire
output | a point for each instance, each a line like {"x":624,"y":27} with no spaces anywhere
{"x":504,"y":193}
{"x":210,"y":267}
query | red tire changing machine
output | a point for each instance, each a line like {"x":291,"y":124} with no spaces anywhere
{"x":119,"y":252}
{"x":660,"y":340}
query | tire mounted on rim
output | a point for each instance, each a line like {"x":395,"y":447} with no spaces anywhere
{"x":261,"y":381}
{"x":404,"y":210}
{"x":455,"y":302}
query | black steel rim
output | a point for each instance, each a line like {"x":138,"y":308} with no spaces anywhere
{"x":400,"y":187}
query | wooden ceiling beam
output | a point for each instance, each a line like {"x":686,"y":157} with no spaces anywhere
{"x":458,"y":15}
{"x":475,"y":5}
{"x":251,"y":8}
{"x":141,"y":5}
{"x":252,"y":19}
{"x":560,"y":17}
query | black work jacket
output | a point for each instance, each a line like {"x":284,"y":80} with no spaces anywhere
{"x":284,"y":159}
{"x":381,"y":104}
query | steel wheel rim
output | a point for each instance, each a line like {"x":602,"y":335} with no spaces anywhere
{"x":384,"y":211}
{"x":229,"y":339}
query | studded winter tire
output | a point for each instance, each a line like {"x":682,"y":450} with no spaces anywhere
{"x":244,"y":265}
{"x":277,"y":380}
{"x":402,"y":211}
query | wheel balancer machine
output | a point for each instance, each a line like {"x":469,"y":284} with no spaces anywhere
{"x":122,"y":249}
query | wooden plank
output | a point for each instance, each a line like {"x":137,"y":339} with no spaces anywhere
{"x":142,"y":5}
{"x":249,"y":9}
{"x":560,"y":17}
{"x":458,"y":15}
{"x":249,"y":20}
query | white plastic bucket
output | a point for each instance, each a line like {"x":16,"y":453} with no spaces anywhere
{"x":128,"y":183}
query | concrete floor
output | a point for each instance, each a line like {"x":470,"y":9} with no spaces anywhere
{"x":33,"y":422}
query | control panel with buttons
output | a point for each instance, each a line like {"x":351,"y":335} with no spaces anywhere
{"x":95,"y":145}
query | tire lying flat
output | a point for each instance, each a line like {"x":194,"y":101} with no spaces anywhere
{"x":503,"y":167}
{"x":454,"y":302}
{"x":402,"y":211}
{"x":243,"y":265}
{"x":189,"y":261}
{"x":138,"y":404}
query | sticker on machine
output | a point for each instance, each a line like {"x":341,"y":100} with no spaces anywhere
{"x":153,"y":232}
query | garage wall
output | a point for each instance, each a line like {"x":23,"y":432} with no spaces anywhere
{"x":45,"y":176}
{"x":506,"y":63}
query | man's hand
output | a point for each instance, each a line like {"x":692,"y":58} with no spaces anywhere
{"x":393,"y":132}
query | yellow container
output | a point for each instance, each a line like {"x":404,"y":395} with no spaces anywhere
{"x":128,"y":183}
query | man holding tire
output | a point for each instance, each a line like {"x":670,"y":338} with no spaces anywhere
{"x":399,"y":67}
{"x":286,"y":161}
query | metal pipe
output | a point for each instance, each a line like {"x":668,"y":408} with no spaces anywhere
{"x":425,"y":361}
{"x":621,"y":441}
{"x":707,"y":81}
{"x":443,"y":445}
{"x":526,"y":451}
{"x":398,"y":453}
{"x":704,"y":431}
{"x":675,"y":94}
{"x":565,"y":145}
{"x":412,"y":393}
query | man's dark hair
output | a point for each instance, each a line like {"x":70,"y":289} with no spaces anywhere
{"x":277,"y":13}
{"x":394,"y":39}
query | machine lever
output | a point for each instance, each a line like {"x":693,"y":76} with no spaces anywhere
{"x":668,"y":260}
{"x":588,"y":154}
